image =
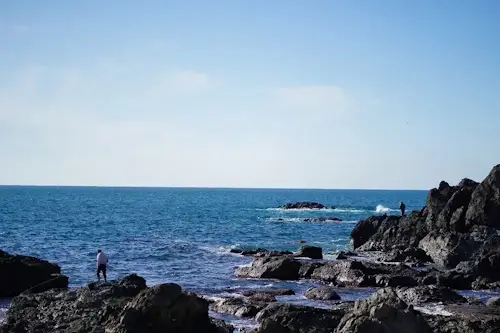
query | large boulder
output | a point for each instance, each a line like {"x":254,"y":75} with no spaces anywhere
{"x":125,"y":307}
{"x":281,"y":268}
{"x":448,"y":249}
{"x":308,"y":251}
{"x":288,"y":318}
{"x":383,"y":312}
{"x":366,"y":274}
{"x":324,"y":293}
{"x":347,"y":273}
{"x":28,"y":274}
{"x":484,"y":205}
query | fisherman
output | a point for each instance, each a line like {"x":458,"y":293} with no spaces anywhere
{"x":102,"y":261}
{"x":402,"y":207}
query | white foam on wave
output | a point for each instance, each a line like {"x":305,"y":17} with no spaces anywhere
{"x":383,"y":209}
{"x":301,"y":220}
{"x":434,"y":310}
{"x":352,"y":210}
{"x":221,"y":249}
{"x":253,"y":286}
{"x":302,"y":209}
{"x":285,"y":219}
{"x":349,"y":210}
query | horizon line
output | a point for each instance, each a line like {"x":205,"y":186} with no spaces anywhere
{"x":216,"y":187}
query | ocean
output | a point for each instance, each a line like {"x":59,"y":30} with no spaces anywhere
{"x":181,"y":235}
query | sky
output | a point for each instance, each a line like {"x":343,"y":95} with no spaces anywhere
{"x":292,"y":94}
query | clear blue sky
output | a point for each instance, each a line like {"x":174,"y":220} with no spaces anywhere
{"x":321,"y":94}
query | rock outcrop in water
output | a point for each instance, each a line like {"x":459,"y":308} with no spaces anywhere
{"x":459,"y":229}
{"x":322,"y":219}
{"x":124,"y":307}
{"x":24,"y":273}
{"x":303,"y":205}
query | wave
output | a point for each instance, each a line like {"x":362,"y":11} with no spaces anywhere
{"x":382,"y":209}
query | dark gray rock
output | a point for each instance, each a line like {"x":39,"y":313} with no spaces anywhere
{"x":281,"y":268}
{"x":322,"y":219}
{"x":128,"y":306}
{"x":271,"y":291}
{"x":238,"y":307}
{"x":303,"y":205}
{"x":28,"y":274}
{"x":429,"y":294}
{"x":448,"y":249}
{"x":466,"y":319}
{"x":484,"y":205}
{"x":365,"y":229}
{"x":259,"y":252}
{"x":383,"y":312}
{"x":287,"y":318}
{"x":325,"y":293}
{"x":308,"y":251}
{"x":410,"y":255}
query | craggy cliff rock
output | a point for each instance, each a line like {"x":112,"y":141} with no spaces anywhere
{"x":22,"y":273}
{"x":459,"y":228}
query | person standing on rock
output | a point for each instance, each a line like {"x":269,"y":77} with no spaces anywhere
{"x":402,"y":207}
{"x":102,"y":262}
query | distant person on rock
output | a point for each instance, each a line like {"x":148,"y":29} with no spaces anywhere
{"x":102,"y":261}
{"x":403,"y":208}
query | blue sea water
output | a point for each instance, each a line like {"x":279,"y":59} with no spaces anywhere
{"x":180,"y":235}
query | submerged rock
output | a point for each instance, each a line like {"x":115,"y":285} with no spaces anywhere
{"x":28,"y":274}
{"x":259,"y":252}
{"x":322,"y":219}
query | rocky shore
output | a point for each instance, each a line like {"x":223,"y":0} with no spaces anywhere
{"x":414,"y":263}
